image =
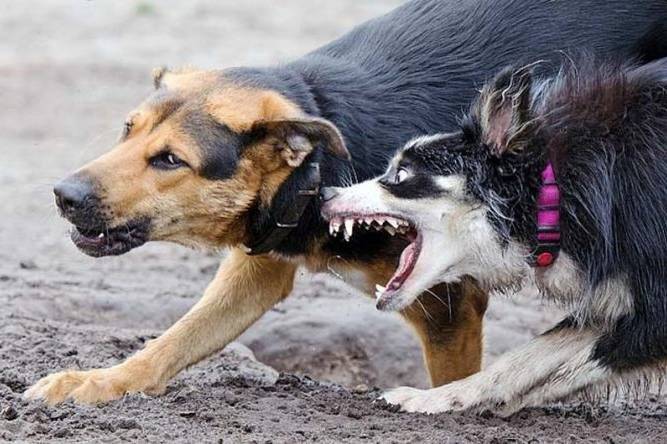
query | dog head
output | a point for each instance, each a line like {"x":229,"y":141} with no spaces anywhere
{"x":192,"y":159}
{"x":454,"y":196}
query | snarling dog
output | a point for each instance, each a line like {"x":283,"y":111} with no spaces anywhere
{"x":234,"y":158}
{"x":564,"y":177}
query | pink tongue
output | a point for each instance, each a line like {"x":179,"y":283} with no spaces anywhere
{"x":404,"y":267}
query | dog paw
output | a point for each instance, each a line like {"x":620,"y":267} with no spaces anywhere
{"x":84,"y":387}
{"x":411,"y":400}
{"x":439,"y":400}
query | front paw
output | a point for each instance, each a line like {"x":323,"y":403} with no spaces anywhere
{"x":439,"y":400}
{"x":409,"y":399}
{"x":85,"y":387}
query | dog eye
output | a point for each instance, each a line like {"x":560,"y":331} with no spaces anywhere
{"x":166,"y":161}
{"x":401,"y":175}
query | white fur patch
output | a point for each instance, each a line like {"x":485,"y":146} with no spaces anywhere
{"x":454,"y":184}
{"x":601,"y":305}
{"x":549,"y":368}
{"x":609,"y":301}
{"x":424,"y":140}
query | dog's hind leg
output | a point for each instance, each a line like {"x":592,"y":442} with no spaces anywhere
{"x":243,"y":290}
{"x":551,"y":367}
{"x":448,"y":321}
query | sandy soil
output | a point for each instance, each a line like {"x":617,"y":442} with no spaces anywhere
{"x":70,"y":72}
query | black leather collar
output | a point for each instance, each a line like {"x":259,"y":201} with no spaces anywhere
{"x":285,"y":221}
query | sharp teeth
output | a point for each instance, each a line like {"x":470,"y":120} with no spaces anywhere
{"x":390,"y":230}
{"x":379,"y":291}
{"x":393,"y":222}
{"x":349,"y":227}
{"x":335,"y":226}
{"x":332,"y":229}
{"x":368,"y":220}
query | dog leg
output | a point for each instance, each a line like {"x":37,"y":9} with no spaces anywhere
{"x":551,"y":367}
{"x":243,"y":290}
{"x":448,"y":321}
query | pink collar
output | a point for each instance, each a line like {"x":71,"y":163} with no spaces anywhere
{"x":548,"y":220}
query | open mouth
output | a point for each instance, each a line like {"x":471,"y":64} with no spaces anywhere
{"x":345,"y":225}
{"x":104,"y":241}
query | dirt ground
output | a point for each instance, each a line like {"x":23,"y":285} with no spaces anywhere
{"x":70,"y":71}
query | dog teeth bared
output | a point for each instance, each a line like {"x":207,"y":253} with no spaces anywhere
{"x":379,"y":291}
{"x":335,"y":227}
{"x":378,"y":223}
{"x":349,"y":228}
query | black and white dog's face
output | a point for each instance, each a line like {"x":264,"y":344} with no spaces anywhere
{"x":453,"y":197}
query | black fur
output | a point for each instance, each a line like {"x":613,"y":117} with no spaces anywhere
{"x":220,"y":145}
{"x":604,"y":128}
{"x":412,"y":71}
{"x":616,"y":138}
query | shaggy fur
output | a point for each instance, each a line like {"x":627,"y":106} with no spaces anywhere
{"x":603,"y":127}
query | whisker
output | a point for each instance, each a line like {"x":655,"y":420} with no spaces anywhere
{"x":449,"y":299}
{"x":428,"y":315}
{"x":332,"y":270}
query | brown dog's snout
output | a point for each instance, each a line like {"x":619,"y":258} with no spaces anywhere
{"x":74,"y":194}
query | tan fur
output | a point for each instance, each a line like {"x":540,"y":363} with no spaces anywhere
{"x":189,"y":209}
{"x":240,"y":108}
{"x":447,"y":319}
{"x":450,"y":332}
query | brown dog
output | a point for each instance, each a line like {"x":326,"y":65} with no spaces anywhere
{"x":232,"y":159}
{"x":152,"y":194}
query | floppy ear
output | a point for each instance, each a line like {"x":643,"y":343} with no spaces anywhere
{"x":297,"y":138}
{"x":504,"y":110}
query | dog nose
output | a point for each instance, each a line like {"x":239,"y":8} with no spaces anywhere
{"x":72,"y":194}
{"x":328,"y":193}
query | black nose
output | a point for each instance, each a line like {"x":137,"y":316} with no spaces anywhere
{"x":328,"y":193}
{"x":73,"y":194}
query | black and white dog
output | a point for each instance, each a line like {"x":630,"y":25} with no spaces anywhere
{"x":563,"y":180}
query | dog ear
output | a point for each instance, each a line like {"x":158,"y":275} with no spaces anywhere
{"x":504,"y":110}
{"x":298,"y":137}
{"x":158,"y":74}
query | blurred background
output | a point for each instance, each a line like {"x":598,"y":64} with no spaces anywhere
{"x":70,"y":72}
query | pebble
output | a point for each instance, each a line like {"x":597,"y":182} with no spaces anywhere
{"x":361,"y":389}
{"x":28,"y":265}
{"x":9,"y":413}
